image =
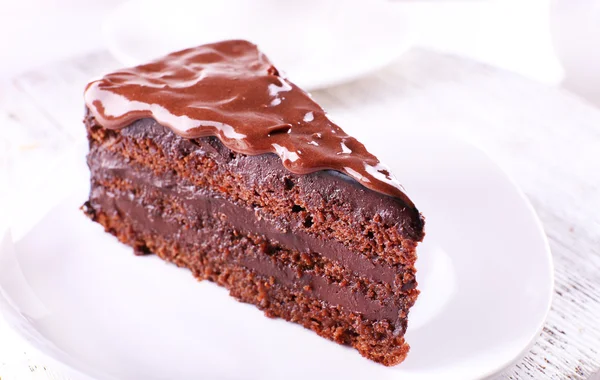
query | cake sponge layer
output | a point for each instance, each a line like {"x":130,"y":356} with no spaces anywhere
{"x":317,"y":249}
{"x":228,"y":258}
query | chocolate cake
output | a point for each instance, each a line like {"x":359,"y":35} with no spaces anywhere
{"x":212,"y":160}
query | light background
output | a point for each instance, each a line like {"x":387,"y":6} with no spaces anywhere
{"x":511,"y":34}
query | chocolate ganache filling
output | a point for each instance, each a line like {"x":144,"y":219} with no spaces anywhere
{"x":232,"y":91}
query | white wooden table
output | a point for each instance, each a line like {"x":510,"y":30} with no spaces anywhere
{"x":546,"y":139}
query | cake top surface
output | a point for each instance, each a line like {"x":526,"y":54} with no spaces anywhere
{"x":231,"y":90}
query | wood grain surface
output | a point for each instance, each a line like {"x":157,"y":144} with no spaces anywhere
{"x":546,"y":139}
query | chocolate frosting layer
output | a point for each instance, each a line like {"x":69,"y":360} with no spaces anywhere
{"x":306,"y":282}
{"x":231,"y":90}
{"x":202,"y":204}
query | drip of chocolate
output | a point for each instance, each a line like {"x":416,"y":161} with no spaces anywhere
{"x":231,"y":90}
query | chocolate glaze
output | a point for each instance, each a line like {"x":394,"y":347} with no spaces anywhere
{"x":231,"y":90}
{"x":201,"y":205}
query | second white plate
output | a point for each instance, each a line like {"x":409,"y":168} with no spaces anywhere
{"x":485,"y":274}
{"x":318,"y":43}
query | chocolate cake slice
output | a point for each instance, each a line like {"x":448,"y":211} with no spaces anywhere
{"x":212,"y":160}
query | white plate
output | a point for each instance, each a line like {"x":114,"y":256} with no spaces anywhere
{"x":485,"y":272}
{"x":318,"y":43}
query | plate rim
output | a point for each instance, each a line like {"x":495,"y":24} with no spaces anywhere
{"x":551,"y":267}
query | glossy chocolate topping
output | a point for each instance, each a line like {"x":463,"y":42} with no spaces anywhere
{"x":231,"y":90}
